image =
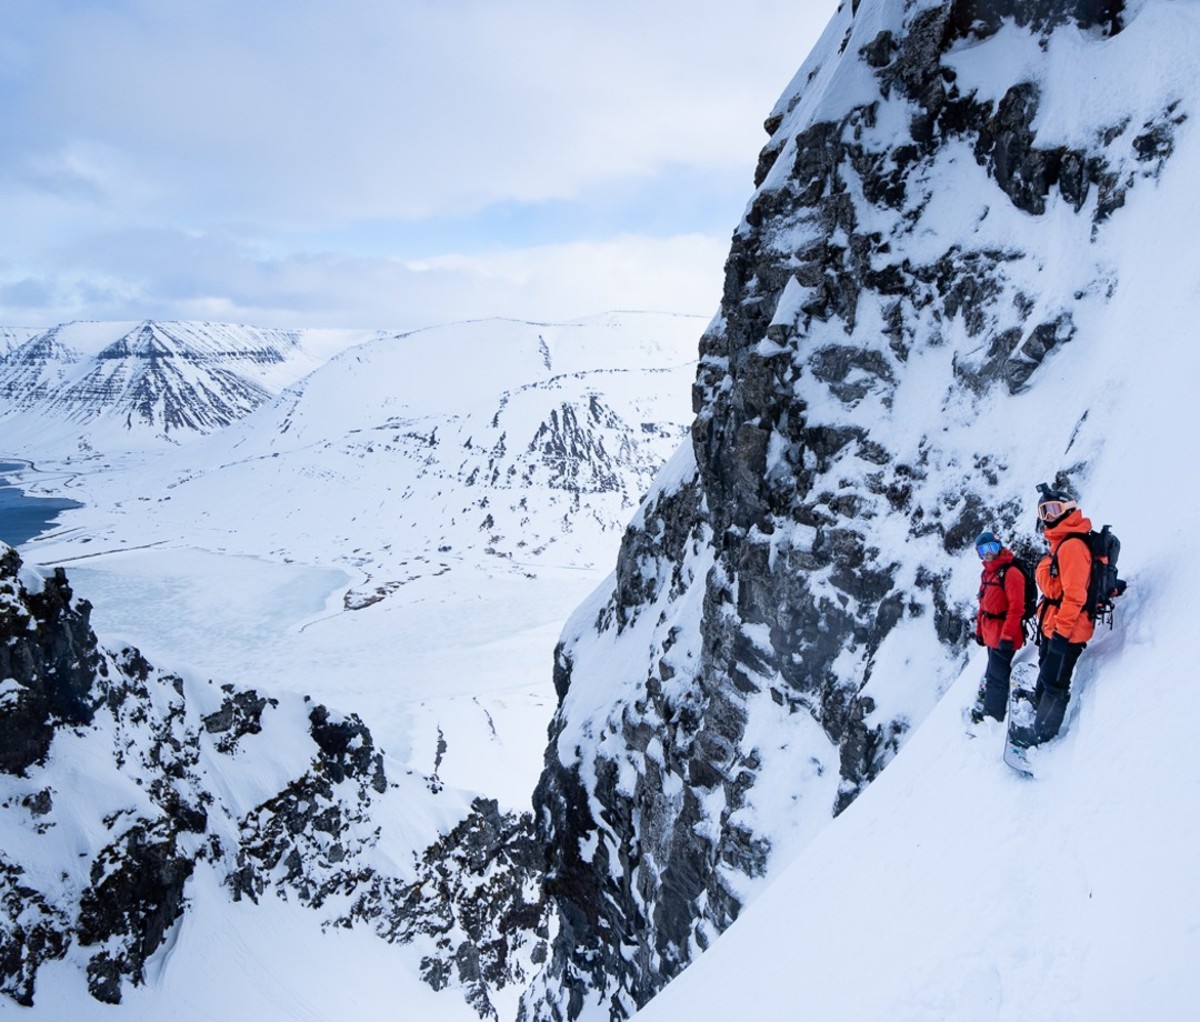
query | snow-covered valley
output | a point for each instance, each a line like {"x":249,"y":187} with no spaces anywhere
{"x":389,"y":534}
{"x":391,"y":537}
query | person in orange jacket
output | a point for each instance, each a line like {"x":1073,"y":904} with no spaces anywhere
{"x":998,"y":623}
{"x":1063,"y":576}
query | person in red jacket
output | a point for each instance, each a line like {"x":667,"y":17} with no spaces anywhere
{"x":998,"y":623}
{"x":1063,"y":576}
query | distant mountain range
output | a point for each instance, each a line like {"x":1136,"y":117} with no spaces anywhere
{"x":522,"y":441}
{"x":164,"y":380}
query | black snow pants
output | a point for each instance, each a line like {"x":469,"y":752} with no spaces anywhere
{"x":1053,"y":691}
{"x":995,"y":681}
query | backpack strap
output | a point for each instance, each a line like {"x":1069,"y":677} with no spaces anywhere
{"x":1038,"y":621}
{"x":1054,"y":553}
{"x":1088,"y":605}
{"x":998,"y":582}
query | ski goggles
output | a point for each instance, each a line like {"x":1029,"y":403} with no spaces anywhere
{"x":1049,"y":510}
{"x":989,"y":549}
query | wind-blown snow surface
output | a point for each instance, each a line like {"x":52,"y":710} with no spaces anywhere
{"x":952,"y":888}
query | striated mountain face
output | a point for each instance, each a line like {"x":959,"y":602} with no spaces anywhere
{"x":122,"y":786}
{"x":171,"y":380}
{"x":32,"y":370}
{"x":933,"y":222}
{"x":13,"y":337}
{"x":160,"y":382}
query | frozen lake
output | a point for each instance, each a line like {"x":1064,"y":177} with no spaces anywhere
{"x":452,"y":677}
{"x":217,"y":614}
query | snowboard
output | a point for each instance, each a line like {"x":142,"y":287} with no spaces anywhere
{"x":1021,"y":715}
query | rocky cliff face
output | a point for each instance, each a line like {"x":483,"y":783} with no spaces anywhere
{"x":928,"y":228}
{"x":119,"y":783}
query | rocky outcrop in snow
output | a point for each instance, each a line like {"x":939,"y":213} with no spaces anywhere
{"x":897,"y":284}
{"x":119,"y":782}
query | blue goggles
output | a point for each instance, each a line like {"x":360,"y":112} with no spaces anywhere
{"x":986,"y":550}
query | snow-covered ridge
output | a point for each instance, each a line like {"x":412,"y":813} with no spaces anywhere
{"x":931,"y":305}
{"x":13,"y":337}
{"x":115,"y":385}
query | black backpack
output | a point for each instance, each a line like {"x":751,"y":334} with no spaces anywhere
{"x":1029,"y":611}
{"x":1105,"y":585}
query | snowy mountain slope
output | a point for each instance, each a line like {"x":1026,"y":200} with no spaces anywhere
{"x":1071,"y":897}
{"x":36,"y":368}
{"x":965,"y":218}
{"x":108,"y":386}
{"x":135,"y":800}
{"x":13,"y":337}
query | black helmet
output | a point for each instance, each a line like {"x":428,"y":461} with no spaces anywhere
{"x":1053,"y":504}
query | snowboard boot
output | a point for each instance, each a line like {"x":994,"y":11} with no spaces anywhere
{"x":976,"y":714}
{"x":1022,"y":718}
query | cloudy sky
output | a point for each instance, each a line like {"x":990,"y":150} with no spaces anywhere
{"x":380,"y":163}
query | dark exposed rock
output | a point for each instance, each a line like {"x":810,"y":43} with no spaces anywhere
{"x":240,"y":714}
{"x":670,"y":521}
{"x":32,"y":932}
{"x":878,"y":52}
{"x":1006,"y":145}
{"x":135,"y":896}
{"x":984,"y":17}
{"x":347,"y":749}
{"x":1045,"y":337}
{"x":52,"y":657}
{"x":486,"y":873}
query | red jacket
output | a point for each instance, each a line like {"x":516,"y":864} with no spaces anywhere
{"x":1066,"y":593}
{"x":1001,"y":602}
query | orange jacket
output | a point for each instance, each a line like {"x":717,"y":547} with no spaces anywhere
{"x":1001,"y":603}
{"x":1061,"y":610}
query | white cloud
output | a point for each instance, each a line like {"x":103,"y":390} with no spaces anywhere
{"x":276,"y":122}
{"x":173,"y":276}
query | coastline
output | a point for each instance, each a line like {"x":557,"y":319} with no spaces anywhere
{"x":23,"y":518}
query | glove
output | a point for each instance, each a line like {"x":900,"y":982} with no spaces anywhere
{"x":1058,"y":645}
{"x":978,"y":639}
{"x":1006,"y":646}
